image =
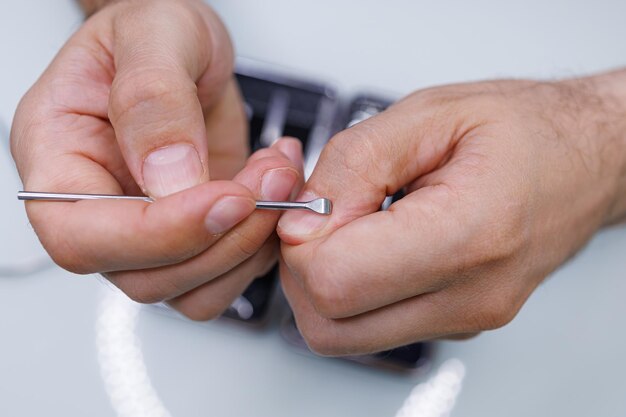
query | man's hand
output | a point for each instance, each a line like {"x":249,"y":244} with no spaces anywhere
{"x":504,"y":181}
{"x":142,"y":99}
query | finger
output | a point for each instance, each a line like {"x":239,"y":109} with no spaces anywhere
{"x":288,"y":146}
{"x":210,"y":300}
{"x":105,"y":235}
{"x":53,"y":122}
{"x":227,"y":133}
{"x":99,"y":236}
{"x":272,"y":177}
{"x":362,"y":165}
{"x":400,"y":324}
{"x":427,"y":317}
{"x":160,"y":52}
{"x":417,"y":246}
{"x":436,"y":236}
{"x":292,"y":149}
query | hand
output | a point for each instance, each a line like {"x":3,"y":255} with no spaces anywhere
{"x":142,"y":99}
{"x":504,"y":181}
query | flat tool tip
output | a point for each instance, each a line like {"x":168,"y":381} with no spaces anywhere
{"x":320,"y":205}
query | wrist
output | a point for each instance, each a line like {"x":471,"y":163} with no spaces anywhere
{"x":612,"y":88}
{"x":598,"y":122}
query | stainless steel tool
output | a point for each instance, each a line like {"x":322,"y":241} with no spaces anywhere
{"x":319,"y":205}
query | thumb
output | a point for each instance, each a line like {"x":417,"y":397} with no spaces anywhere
{"x":154,"y":107}
{"x":362,"y":165}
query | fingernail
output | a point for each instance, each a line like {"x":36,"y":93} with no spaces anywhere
{"x":171,"y":169}
{"x":292,"y":149}
{"x":277,"y":184}
{"x":227,"y":212}
{"x":302,"y":224}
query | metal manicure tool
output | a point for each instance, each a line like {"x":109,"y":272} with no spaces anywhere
{"x":319,"y":205}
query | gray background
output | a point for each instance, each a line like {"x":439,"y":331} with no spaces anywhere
{"x":563,"y":354}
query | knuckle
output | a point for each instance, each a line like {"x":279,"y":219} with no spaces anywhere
{"x":64,"y":249}
{"x":65,"y":255}
{"x":480,"y":93}
{"x":167,"y":247}
{"x":142,"y":296}
{"x":366,"y":155}
{"x":271,"y":160}
{"x":501,"y":239}
{"x":201,"y":312}
{"x":147,"y":87}
{"x":326,"y":291}
{"x":353,"y":150}
{"x":326,"y":278}
{"x":496,"y":313}
{"x":172,"y":249}
{"x":454,"y":109}
{"x":323,"y":298}
{"x":245,"y":246}
{"x":69,"y":261}
{"x":436,"y":97}
{"x":262,"y":154}
{"x":445,"y":103}
{"x":320,"y":337}
{"x":138,"y":287}
{"x":320,"y":345}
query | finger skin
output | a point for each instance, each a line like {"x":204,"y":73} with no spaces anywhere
{"x":210,"y":300}
{"x":436,"y":235}
{"x":107,"y":235}
{"x":227,"y":134}
{"x":393,"y":260}
{"x":516,"y":188}
{"x":71,"y":100}
{"x":119,"y":87}
{"x":161,"y":51}
{"x":362,"y":165}
{"x":232,"y":248}
{"x":429,"y":316}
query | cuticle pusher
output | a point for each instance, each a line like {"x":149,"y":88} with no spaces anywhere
{"x":319,"y":205}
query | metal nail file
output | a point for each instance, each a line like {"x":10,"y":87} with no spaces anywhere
{"x":41,"y":196}
{"x":319,"y":205}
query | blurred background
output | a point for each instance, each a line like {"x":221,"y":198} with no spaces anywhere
{"x":71,"y":345}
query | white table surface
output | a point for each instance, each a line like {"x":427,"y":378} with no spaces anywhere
{"x":70,"y":346}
